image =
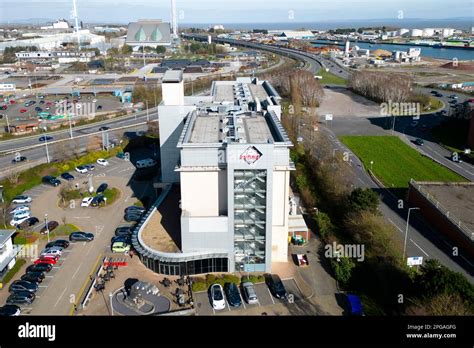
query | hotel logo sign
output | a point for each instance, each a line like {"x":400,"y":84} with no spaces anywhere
{"x":251,"y":155}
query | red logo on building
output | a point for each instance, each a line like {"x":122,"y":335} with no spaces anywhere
{"x":251,"y":155}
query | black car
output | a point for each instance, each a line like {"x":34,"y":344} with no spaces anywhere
{"x":51,"y":180}
{"x":31,"y":221}
{"x":102,"y":188}
{"x":9,"y":311}
{"x":419,"y":142}
{"x":21,"y":297}
{"x":45,"y":138}
{"x":23,"y":285}
{"x":97,"y":201}
{"x":89,"y":167}
{"x":38,"y":109}
{"x":123,"y":231}
{"x":36,"y":277}
{"x":81,"y":237}
{"x":276,"y":286}
{"x":40,"y":267}
{"x":233,"y":295}
{"x":67,"y":176}
{"x":133,"y":216}
{"x":135,"y":209}
{"x":127,"y":239}
{"x":58,"y":243}
{"x":19,"y":159}
{"x":99,"y":107}
{"x":101,"y":129}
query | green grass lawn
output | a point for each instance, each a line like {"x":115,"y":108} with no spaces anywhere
{"x":395,"y":163}
{"x":330,"y":79}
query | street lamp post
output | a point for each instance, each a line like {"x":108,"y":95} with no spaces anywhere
{"x":46,"y":224}
{"x":371,"y":166}
{"x":406,"y":230}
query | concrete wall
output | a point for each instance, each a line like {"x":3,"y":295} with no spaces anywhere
{"x":200,"y":193}
{"x":209,"y":234}
{"x":173,"y":93}
{"x":281,"y":207}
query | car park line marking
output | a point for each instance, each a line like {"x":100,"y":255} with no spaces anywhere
{"x":213,"y":311}
{"x":77,"y":270}
{"x":411,"y":240}
{"x":49,"y":276}
{"x":59,"y":298}
{"x":42,"y":286}
{"x":393,"y":223}
{"x":271,"y":296}
{"x":241,"y":299}
{"x":227,"y":304}
{"x":71,"y":312}
{"x":89,"y":250}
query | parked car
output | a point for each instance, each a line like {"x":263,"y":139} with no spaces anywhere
{"x":59,"y":243}
{"x":45,"y":138}
{"x":146,"y":163}
{"x":10,"y":311}
{"x":23,"y":111}
{"x":34,"y":277}
{"x":135,"y":208}
{"x":133,"y":216}
{"x":20,"y":209}
{"x":127,"y":239}
{"x":31,"y":221}
{"x":23,"y":285}
{"x":120,"y":247}
{"x":101,"y":189}
{"x":217,"y":297}
{"x":86,"y":201}
{"x":51,"y":180}
{"x":42,"y":267}
{"x":55,"y":251}
{"x":21,"y":297}
{"x":102,"y":129}
{"x":249,"y":293}
{"x":45,"y":260}
{"x":419,"y":142}
{"x":123,"y":231}
{"x":21,"y":200}
{"x":17,"y":221}
{"x":276,"y":286}
{"x":81,"y":237}
{"x":38,"y":109}
{"x":89,"y":167}
{"x":81,"y":169}
{"x":19,"y":159}
{"x":102,"y":162}
{"x":99,"y":107}
{"x":52,"y":225}
{"x":97,"y":201}
{"x":67,"y":176}
{"x":233,"y":295}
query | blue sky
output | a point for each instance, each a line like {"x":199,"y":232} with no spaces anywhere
{"x":241,"y":11}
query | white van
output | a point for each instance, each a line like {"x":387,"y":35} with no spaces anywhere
{"x":146,"y":163}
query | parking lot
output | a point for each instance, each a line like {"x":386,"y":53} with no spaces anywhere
{"x":267,"y":303}
{"x":63,"y":286}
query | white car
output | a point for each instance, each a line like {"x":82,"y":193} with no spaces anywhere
{"x":103,"y":162}
{"x":81,"y":169}
{"x":21,"y":200}
{"x":217,"y":297}
{"x":17,"y":221}
{"x":51,"y":251}
{"x":86,"y":201}
{"x":20,"y":209}
{"x":94,"y":100}
{"x":22,"y":215}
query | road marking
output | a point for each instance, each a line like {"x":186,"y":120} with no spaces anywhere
{"x":242,"y":299}
{"x":89,"y":250}
{"x":49,"y":276}
{"x":60,"y":297}
{"x":424,"y":252}
{"x":81,"y":217}
{"x":363,"y":183}
{"x":77,"y":270}
{"x":393,"y":223}
{"x":42,"y":286}
{"x":271,"y":296}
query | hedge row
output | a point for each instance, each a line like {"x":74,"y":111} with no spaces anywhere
{"x":202,"y":284}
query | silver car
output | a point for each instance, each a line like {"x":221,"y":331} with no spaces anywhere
{"x":250,"y":294}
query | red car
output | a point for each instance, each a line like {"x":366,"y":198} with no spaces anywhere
{"x":49,"y":103}
{"x":3,"y":107}
{"x":47,"y":259}
{"x":23,"y":111}
{"x":12,"y":102}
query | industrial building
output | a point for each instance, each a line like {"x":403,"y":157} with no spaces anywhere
{"x":60,"y":56}
{"x":230,"y":156}
{"x":149,"y":33}
{"x":8,"y":251}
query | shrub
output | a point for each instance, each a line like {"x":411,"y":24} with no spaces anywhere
{"x":324,"y":225}
{"x":199,"y":286}
{"x":364,"y":199}
{"x":342,"y":269}
{"x":18,"y":264}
